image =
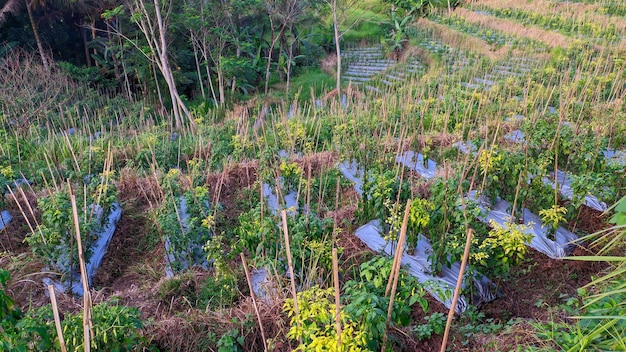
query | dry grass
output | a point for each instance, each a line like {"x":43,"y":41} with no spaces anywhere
{"x":191,"y":332}
{"x":460,"y":40}
{"x":549,"y":38}
{"x":329,"y":64}
{"x":423,"y":55}
{"x":28,"y":92}
{"x":519,"y":335}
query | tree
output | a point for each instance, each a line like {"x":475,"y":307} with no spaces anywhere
{"x":15,"y":7}
{"x":283,"y":14}
{"x":211,"y":31}
{"x":338,"y":9}
{"x":150,"y":20}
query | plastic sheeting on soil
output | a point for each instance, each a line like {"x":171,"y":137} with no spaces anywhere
{"x":351,"y":171}
{"x":104,"y":238}
{"x":291,"y":200}
{"x":98,"y":248}
{"x":441,"y":287}
{"x":500,"y":213}
{"x":426,"y":169}
{"x":260,"y":283}
{"x":515,"y":136}
{"x":465,"y":147}
{"x":5,"y":219}
{"x":182,"y":258}
{"x":615,"y":156}
{"x":565,"y":187}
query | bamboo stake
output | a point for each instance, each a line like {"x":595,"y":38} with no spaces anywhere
{"x":83,"y":274}
{"x":256,"y":308}
{"x":457,"y":289}
{"x":291,"y":275}
{"x":57,"y":319}
{"x":337,"y":298}
{"x":395,"y":274}
{"x":397,"y":259}
{"x":30,"y":226}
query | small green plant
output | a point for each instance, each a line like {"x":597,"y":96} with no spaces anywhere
{"x":419,"y":218}
{"x":504,"y":248}
{"x":553,"y":217}
{"x":6,"y":176}
{"x":9,"y":317}
{"x":230,"y":341}
{"x":366,"y":299}
{"x":115,"y":328}
{"x":315,"y":325}
{"x":435,"y":324}
{"x":218,"y":291}
{"x":257,"y":232}
{"x":380,"y":190}
{"x":291,"y":173}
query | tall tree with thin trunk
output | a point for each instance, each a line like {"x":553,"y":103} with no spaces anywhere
{"x":152,"y":19}
{"x":338,"y":9}
{"x":15,"y":7}
{"x":211,"y":30}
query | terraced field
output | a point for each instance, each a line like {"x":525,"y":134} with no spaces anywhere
{"x":465,"y":175}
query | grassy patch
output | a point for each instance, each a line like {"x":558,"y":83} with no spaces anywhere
{"x":312,"y":80}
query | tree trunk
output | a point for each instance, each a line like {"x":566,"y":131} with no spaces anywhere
{"x":93,"y":37}
{"x":83,"y":34}
{"x":269,"y":62}
{"x":116,"y":67}
{"x":337,"y":48}
{"x":220,"y":82}
{"x":177,"y":103}
{"x":33,"y":24}
{"x":208,"y":74}
{"x":289,"y":60}
{"x":198,"y":70}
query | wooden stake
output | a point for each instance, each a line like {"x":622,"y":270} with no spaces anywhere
{"x":397,"y":259}
{"x":291,"y":275}
{"x":337,"y":298}
{"x":57,"y":319}
{"x":256,"y":308}
{"x":457,"y":289}
{"x":83,"y":274}
{"x":395,"y":274}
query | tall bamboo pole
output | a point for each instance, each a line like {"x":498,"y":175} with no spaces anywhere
{"x":457,"y":289}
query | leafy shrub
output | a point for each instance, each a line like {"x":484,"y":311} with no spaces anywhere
{"x":366,"y":299}
{"x":504,"y":248}
{"x":115,"y":328}
{"x":315,"y":325}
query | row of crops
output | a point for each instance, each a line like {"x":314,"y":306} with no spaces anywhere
{"x":575,"y":27}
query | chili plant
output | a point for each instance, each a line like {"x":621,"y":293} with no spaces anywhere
{"x":54,"y":240}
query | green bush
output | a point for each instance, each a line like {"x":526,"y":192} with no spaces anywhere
{"x":115,"y":328}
